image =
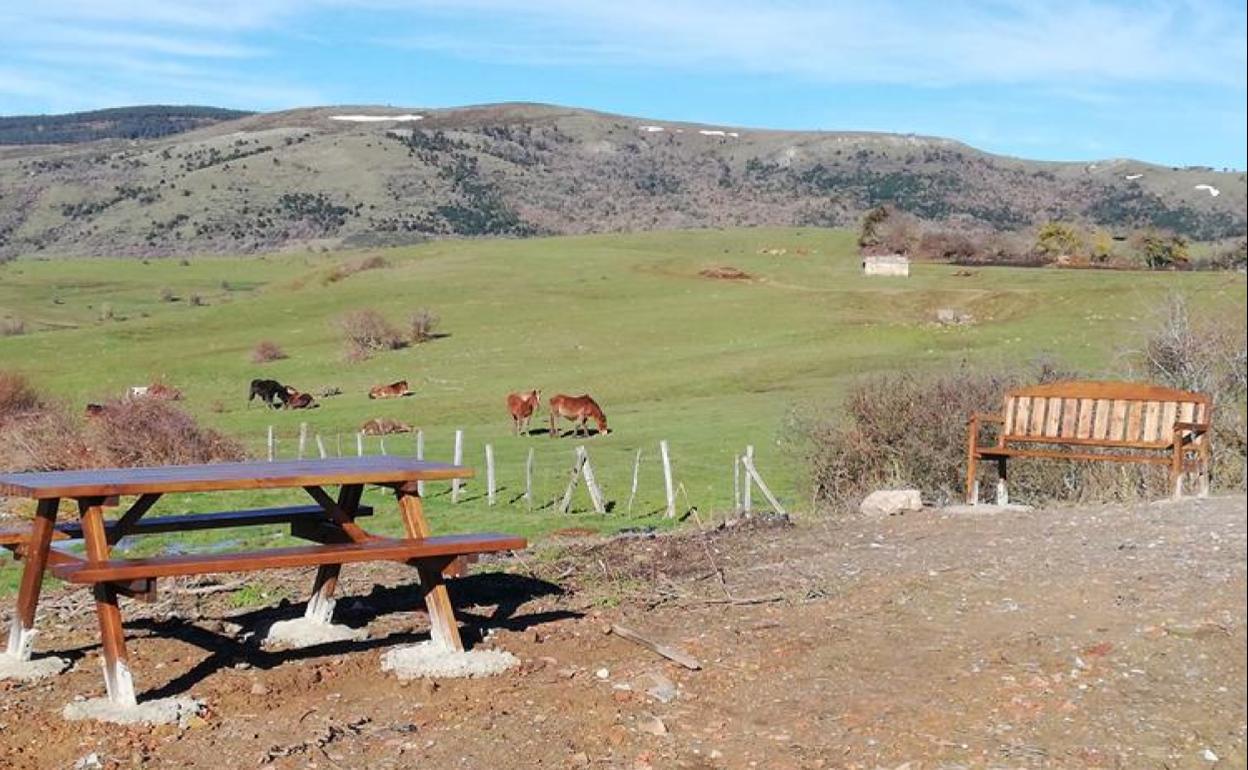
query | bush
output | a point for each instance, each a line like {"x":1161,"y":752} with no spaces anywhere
{"x":167,"y":295}
{"x":351,"y":268}
{"x":367,"y":331}
{"x":146,"y":431}
{"x":1161,"y":251}
{"x":38,"y":435}
{"x":1210,"y":356}
{"x":17,"y":396}
{"x":423,"y":325}
{"x":12,"y":326}
{"x":1056,"y":239}
{"x":266,"y":351}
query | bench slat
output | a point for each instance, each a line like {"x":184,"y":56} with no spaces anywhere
{"x":1011,"y":452}
{"x":381,"y":549}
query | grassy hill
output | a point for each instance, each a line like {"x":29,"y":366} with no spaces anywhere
{"x":310,"y":178}
{"x":142,"y":122}
{"x":709,"y":364}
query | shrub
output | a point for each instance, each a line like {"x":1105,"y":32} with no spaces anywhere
{"x":423,"y":325}
{"x":17,"y":396}
{"x":12,"y":326}
{"x":196,"y":300}
{"x":351,"y":268}
{"x":367,"y":331}
{"x":1161,"y":251}
{"x":167,"y":295}
{"x":146,"y":431}
{"x":266,"y":351}
{"x":1208,"y":356}
{"x":1057,"y":239}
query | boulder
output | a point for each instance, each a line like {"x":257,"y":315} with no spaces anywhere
{"x":888,"y":502}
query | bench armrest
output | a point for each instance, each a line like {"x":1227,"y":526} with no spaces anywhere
{"x":1194,"y":427}
{"x":985,"y":417}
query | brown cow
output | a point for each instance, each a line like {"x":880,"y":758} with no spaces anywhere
{"x":577,"y":408}
{"x":522,"y":406}
{"x":299,"y":400}
{"x":384,"y":426}
{"x":393,"y":390}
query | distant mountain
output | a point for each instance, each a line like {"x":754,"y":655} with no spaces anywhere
{"x":372,"y":175}
{"x":143,"y":122}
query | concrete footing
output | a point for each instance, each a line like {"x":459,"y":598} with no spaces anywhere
{"x":302,"y":632}
{"x":13,"y":667}
{"x":985,"y":509}
{"x":430,"y":660}
{"x":165,"y":711}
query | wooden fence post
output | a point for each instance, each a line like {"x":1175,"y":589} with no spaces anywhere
{"x":762,"y":485}
{"x":303,"y":439}
{"x":489,"y":474}
{"x":566,"y":504}
{"x":381,"y":444}
{"x":632,"y":494}
{"x":595,"y":493}
{"x":338,"y":443}
{"x":528,"y":480}
{"x":667,"y":478}
{"x":320,"y":447}
{"x":747,"y":492}
{"x":359,"y":444}
{"x":420,"y":455}
{"x":736,"y":483}
{"x":272,"y":445}
{"x":457,"y":484}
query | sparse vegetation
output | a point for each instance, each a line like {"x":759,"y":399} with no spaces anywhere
{"x":11,"y":326}
{"x":267,"y":351}
{"x":366,"y":332}
{"x":422,"y":325}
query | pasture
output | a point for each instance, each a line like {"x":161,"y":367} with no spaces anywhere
{"x":710,"y":364}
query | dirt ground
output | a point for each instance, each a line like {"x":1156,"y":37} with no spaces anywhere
{"x":1091,"y":637}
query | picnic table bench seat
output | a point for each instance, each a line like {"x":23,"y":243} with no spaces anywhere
{"x":1100,"y":421}
{"x":16,"y":534}
{"x":442,"y":547}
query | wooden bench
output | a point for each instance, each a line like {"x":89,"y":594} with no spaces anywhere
{"x":444,"y":548}
{"x":15,"y":535}
{"x":1123,"y":422}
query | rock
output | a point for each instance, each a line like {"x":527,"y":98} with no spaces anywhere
{"x":652,"y":725}
{"x":602,"y":673}
{"x":947,"y":316}
{"x":661,"y":688}
{"x":89,"y":762}
{"x":888,"y":502}
{"x":259,"y":689}
{"x":579,"y":759}
{"x":1209,"y":756}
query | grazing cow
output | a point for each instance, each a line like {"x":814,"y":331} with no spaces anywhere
{"x":297,"y":400}
{"x":393,"y":390}
{"x":522,"y":406}
{"x":271,"y":392}
{"x":384,"y":426}
{"x":578,"y":409}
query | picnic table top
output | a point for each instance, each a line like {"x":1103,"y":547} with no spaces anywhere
{"x":107,"y":482}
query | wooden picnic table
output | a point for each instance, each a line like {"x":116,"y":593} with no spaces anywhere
{"x":330,"y":523}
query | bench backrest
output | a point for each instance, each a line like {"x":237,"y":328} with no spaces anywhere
{"x":1090,"y":411}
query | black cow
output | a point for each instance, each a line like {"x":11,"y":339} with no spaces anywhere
{"x":271,"y":392}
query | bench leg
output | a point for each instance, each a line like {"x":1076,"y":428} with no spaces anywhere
{"x":443,"y":628}
{"x":22,"y":628}
{"x":117,"y":679}
{"x":1003,"y":490}
{"x":321,"y":603}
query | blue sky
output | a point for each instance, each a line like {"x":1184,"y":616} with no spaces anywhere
{"x":1159,"y":81}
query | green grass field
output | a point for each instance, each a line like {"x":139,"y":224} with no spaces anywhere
{"x":710,"y":365}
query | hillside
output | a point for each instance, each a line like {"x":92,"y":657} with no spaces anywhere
{"x":312,"y":178}
{"x":143,"y":122}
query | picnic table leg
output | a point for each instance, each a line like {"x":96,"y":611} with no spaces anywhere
{"x":117,"y":680}
{"x":22,"y":628}
{"x":442,"y":626}
{"x":321,"y":603}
